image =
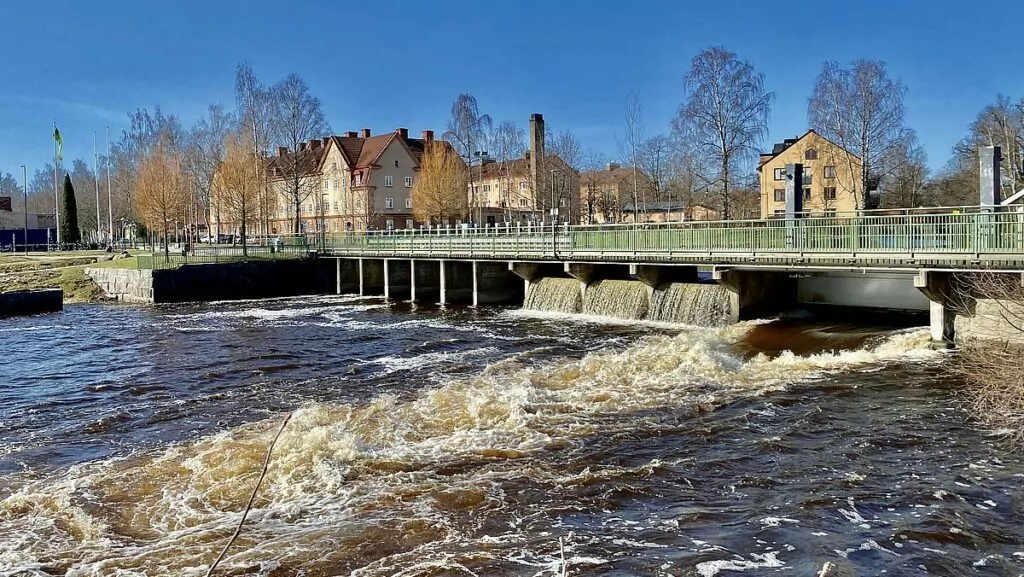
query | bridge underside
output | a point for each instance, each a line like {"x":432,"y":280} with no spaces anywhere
{"x":755,"y":291}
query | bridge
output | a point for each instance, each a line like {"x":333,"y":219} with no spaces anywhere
{"x":899,"y":259}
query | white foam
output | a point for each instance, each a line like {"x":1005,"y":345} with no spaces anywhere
{"x":767,"y":560}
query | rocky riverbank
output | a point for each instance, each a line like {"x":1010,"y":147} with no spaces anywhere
{"x":54,"y":270}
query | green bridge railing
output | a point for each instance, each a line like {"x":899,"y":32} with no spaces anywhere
{"x":907,"y":235}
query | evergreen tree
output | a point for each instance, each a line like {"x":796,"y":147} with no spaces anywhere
{"x":69,"y":233}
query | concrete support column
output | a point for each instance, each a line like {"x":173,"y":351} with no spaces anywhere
{"x":347,"y":276}
{"x":371,"y":277}
{"x":938,"y":287}
{"x":756,"y":294}
{"x":456,"y":282}
{"x":495,"y":283}
{"x":426,"y":281}
{"x":397,"y":279}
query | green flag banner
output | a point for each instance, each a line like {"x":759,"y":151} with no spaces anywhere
{"x":60,"y":143}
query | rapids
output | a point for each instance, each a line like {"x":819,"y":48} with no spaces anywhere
{"x":445,"y":442}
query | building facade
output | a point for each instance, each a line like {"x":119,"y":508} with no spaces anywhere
{"x":831,"y":181}
{"x":349,"y":182}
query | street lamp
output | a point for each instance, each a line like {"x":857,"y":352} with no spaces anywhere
{"x":482,"y":155}
{"x":24,"y":177}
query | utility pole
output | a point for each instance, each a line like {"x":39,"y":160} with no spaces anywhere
{"x":96,"y":181}
{"x":554,"y":250}
{"x":24,"y":189}
{"x":110,"y":206}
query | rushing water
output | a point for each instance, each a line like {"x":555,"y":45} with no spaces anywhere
{"x":462,"y":442}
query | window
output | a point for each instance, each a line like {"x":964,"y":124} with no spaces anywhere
{"x":396,"y":164}
{"x":327,"y":185}
{"x":487,"y":188}
{"x":522,"y":202}
{"x":830,"y":172}
{"x":807,"y":194}
{"x":808,"y":176}
{"x":390,"y":224}
{"x":334,"y":184}
{"x":335,"y":206}
{"x":780,"y":195}
{"x":830,"y":193}
{"x":389,"y":180}
{"x":389,"y":202}
{"x":409,"y":223}
{"x":830,"y":212}
{"x":562,"y":202}
{"x":779,"y":213}
{"x":408,"y":182}
{"x":810,"y":154}
{"x":408,"y":203}
{"x":780,"y":174}
{"x":524,"y":186}
{"x":359,"y":204}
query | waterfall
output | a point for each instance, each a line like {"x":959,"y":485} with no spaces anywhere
{"x":622,"y":299}
{"x":560,"y":295}
{"x":694,"y":304}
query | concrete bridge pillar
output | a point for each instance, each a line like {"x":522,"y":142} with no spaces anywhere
{"x":531,"y":271}
{"x":371,"y":277}
{"x":426,"y":281}
{"x":397,"y":279}
{"x":943,"y":303}
{"x":346,"y":276}
{"x":496,"y":283}
{"x":456,"y":282}
{"x":756,"y":294}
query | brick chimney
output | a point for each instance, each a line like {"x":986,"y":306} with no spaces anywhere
{"x":403,"y":132}
{"x":314,"y":143}
{"x":365,"y":133}
{"x":282,"y":150}
{"x":302,"y":146}
{"x":536,"y":150}
{"x":351,"y":134}
{"x":325,"y":140}
{"x":428,"y":136}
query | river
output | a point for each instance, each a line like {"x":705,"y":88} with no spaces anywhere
{"x":427,"y":441}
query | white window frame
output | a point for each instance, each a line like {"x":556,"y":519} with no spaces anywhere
{"x":389,"y":180}
{"x":408,"y":202}
{"x":779,"y":174}
{"x":408,"y":182}
{"x":389,"y":202}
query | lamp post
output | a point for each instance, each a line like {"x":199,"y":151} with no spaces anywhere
{"x":554,"y":251}
{"x":24,"y":180}
{"x":482,"y":155}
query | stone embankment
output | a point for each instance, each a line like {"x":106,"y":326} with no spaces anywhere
{"x":993,"y":320}
{"x":213,"y":282}
{"x":31,"y":302}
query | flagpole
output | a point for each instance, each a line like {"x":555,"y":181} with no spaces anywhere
{"x":96,"y":179}
{"x":56,"y":198}
{"x":110,"y":207}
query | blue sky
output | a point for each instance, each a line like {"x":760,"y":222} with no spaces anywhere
{"x":392,"y":63}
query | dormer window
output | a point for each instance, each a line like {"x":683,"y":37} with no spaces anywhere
{"x":396,"y":164}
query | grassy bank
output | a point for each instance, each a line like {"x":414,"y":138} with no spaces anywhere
{"x":65,"y":271}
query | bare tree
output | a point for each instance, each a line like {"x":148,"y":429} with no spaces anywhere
{"x":654,"y":159}
{"x":160,"y":189}
{"x":239,"y":185}
{"x":1000,"y":124}
{"x":904,"y":187}
{"x":724,"y":117}
{"x":468,"y":131}
{"x":255,"y":113}
{"x":203,"y":156}
{"x":630,"y":144}
{"x":439,"y":193}
{"x":508,"y":144}
{"x":297,"y":118}
{"x":861,"y":108}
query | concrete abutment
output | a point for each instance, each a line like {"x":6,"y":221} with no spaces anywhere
{"x":456,"y":282}
{"x":426,"y":281}
{"x":397,"y":279}
{"x":756,"y":294}
{"x":497,"y":283}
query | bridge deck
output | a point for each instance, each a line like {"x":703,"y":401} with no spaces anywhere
{"x":966,"y":240}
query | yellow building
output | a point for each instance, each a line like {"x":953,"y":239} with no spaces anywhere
{"x":831,"y":176}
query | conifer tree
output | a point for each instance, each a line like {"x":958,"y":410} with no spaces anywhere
{"x":69,"y":232}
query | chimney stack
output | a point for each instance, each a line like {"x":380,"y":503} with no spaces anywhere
{"x":282,"y":150}
{"x":536,"y":151}
{"x":302,"y":146}
{"x":314,"y":143}
{"x":613,"y":166}
{"x":325,"y":140}
{"x":403,"y":132}
{"x":428,"y":136}
{"x":351,"y":134}
{"x":365,"y":133}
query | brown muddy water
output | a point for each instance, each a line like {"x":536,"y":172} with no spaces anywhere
{"x":470,"y":442}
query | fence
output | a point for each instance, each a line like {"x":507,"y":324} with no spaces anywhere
{"x":273,"y":249}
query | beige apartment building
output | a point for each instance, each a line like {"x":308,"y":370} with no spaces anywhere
{"x":353,"y":181}
{"x":831,"y":182}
